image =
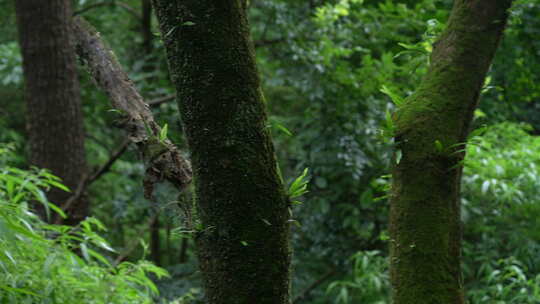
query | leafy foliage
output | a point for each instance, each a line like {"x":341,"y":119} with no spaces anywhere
{"x":44,"y":263}
{"x":500,"y":211}
{"x":368,"y":283}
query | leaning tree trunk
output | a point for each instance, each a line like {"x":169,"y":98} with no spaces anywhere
{"x":431,"y":129}
{"x":243,"y":235}
{"x":53,"y":107}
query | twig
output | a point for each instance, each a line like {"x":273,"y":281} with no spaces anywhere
{"x":133,"y":244}
{"x":107,"y":166}
{"x":123,"y":5}
{"x":161,"y":100}
{"x":266,"y":42}
{"x":87,"y":180}
{"x":73,"y":198}
{"x":314,"y":285}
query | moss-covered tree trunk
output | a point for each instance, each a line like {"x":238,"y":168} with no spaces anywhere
{"x":243,"y":236}
{"x":53,"y":106}
{"x":431,"y":129}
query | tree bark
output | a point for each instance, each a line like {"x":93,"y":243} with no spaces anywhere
{"x":163,"y":160}
{"x":243,"y":235}
{"x":52,"y":95}
{"x":431,"y":129}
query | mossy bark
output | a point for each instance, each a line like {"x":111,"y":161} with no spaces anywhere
{"x":431,"y":129}
{"x":163,"y":160}
{"x":242,"y":240}
{"x":52,"y":96}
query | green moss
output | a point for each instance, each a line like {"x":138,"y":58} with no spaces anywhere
{"x":430,"y":127}
{"x":243,"y":260}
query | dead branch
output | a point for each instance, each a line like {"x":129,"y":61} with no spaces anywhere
{"x":163,"y":160}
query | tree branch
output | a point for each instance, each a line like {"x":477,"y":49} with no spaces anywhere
{"x":123,"y":5}
{"x":163,"y":160}
{"x":134,"y":242}
{"x":158,"y":101}
{"x":267,"y":42}
{"x":87,"y":180}
{"x":314,"y":285}
{"x":107,"y":166}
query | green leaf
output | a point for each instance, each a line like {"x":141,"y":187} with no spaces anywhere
{"x":84,"y":251}
{"x":98,"y":257}
{"x":389,"y":121}
{"x":163,"y":133}
{"x":413,"y":47}
{"x":283,"y":129}
{"x":58,"y":185}
{"x":20,"y":290}
{"x":170,"y":31}
{"x":439,"y":145}
{"x":10,"y":257}
{"x":396,"y":99}
{"x":299,"y":186}
{"x":398,"y":156}
{"x":293,"y":221}
{"x":158,"y":271}
{"x":188,"y":23}
{"x":10,"y":187}
{"x":477,"y":132}
{"x":58,"y":210}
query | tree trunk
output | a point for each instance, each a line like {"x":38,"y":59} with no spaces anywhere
{"x":146,"y":25}
{"x":155,"y":242}
{"x":183,"y":251}
{"x":54,"y":118}
{"x":242,"y":209}
{"x":431,"y":129}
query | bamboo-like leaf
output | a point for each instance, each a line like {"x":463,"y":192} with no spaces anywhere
{"x":396,"y":99}
{"x":163,"y":132}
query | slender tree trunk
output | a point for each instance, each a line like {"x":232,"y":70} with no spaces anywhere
{"x":146,"y":25}
{"x":169,"y":251}
{"x":155,"y":242}
{"x":183,"y":251}
{"x":243,"y":236}
{"x":431,"y":129}
{"x":54,"y":118}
